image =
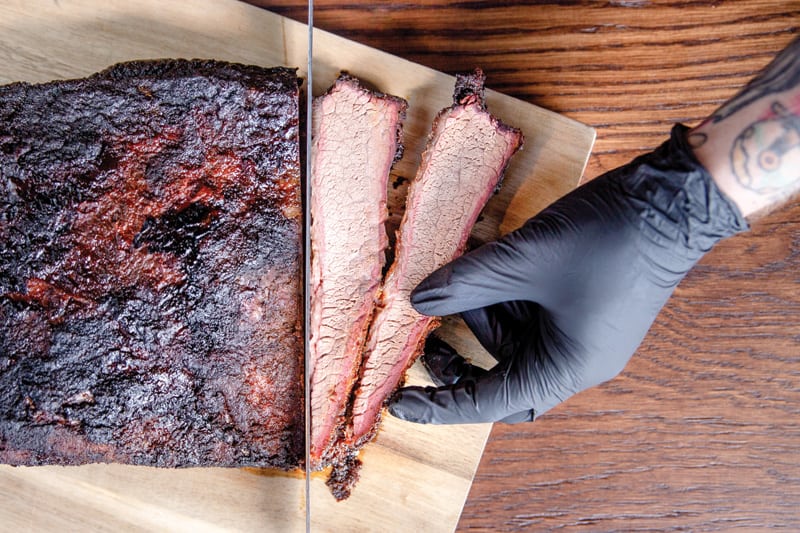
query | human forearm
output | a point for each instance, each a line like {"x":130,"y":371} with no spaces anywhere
{"x":751,"y":145}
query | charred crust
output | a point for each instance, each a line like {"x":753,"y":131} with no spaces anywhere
{"x":143,"y":212}
{"x":470,"y":88}
{"x":343,"y":476}
{"x":249,"y":75}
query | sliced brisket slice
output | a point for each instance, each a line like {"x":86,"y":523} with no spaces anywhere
{"x":356,"y":138}
{"x":467,"y":152}
{"x":150,"y":287}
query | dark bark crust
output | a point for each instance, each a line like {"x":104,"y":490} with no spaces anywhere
{"x":150,"y":296}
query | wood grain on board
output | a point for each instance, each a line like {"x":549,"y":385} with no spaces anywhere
{"x":415,"y":478}
{"x":702,"y":429}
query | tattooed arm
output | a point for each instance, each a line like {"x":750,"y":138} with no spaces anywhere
{"x":751,"y":145}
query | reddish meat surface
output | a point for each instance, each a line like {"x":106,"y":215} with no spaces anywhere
{"x":150,"y":288}
{"x":356,"y":138}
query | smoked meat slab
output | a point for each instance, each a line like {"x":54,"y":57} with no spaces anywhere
{"x":150,"y":297}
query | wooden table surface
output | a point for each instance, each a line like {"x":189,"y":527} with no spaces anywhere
{"x":702,"y":429}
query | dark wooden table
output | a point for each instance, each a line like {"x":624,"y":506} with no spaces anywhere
{"x":702,"y":429}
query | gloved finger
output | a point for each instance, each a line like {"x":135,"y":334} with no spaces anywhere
{"x":444,"y":364}
{"x":495,"y":396}
{"x":497,"y":326}
{"x":515,"y":267}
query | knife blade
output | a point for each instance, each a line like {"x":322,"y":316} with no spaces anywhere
{"x":307,"y":268}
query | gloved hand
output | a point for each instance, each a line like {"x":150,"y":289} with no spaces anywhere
{"x":563,"y":302}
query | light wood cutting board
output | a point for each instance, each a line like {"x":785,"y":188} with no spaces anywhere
{"x":415,"y":478}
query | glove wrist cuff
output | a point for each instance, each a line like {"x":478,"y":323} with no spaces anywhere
{"x":724,"y":215}
{"x":682,"y":196}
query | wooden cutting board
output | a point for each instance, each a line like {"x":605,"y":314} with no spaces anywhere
{"x":415,"y":478}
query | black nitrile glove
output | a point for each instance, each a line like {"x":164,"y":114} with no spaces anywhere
{"x":563,"y":302}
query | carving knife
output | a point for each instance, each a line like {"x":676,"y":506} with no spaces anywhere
{"x":307,"y":268}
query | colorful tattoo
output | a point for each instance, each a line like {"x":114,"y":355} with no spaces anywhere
{"x":766,"y":156}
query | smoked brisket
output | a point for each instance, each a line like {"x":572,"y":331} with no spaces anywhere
{"x":467,"y":152}
{"x":150,"y":284}
{"x":356,"y":138}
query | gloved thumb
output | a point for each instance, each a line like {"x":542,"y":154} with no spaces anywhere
{"x":508,"y":269}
